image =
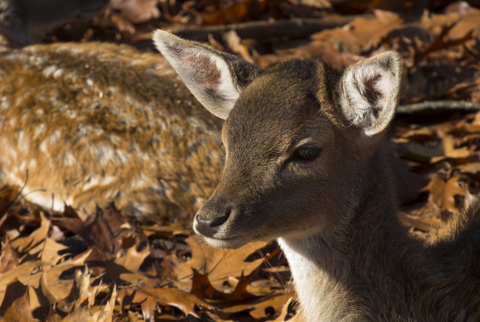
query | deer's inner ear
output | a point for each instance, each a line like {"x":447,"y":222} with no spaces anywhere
{"x":214,"y":78}
{"x":369,"y":92}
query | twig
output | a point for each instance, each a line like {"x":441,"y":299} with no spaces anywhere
{"x":289,"y":28}
{"x":5,"y":211}
{"x":440,"y":42}
{"x":436,"y":105}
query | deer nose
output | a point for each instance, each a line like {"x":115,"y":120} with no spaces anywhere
{"x":208,"y":224}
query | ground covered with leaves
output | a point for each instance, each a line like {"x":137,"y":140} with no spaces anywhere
{"x":56,"y":267}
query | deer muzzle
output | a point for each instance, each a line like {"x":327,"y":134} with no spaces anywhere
{"x":211,"y":219}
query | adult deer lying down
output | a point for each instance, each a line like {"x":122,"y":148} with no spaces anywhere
{"x":305,"y":165}
{"x":95,"y":122}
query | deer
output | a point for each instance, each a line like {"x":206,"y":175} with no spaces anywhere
{"x":93,"y":124}
{"x":305,"y":165}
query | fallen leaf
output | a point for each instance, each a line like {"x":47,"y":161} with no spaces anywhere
{"x":234,"y":43}
{"x":150,"y":297}
{"x":16,"y":306}
{"x":50,"y":252}
{"x":36,"y":237}
{"x":361,"y":32}
{"x":260,"y":307}
{"x":285,"y":311}
{"x":443,"y":193}
{"x":470,"y":169}
{"x":218,"y":263}
{"x":136,"y":11}
{"x":132,"y":259}
{"x":106,"y":315}
{"x":9,"y":257}
{"x":96,"y":232}
{"x":202,"y":287}
{"x":24,"y":270}
{"x":231,"y":12}
{"x":427,"y":154}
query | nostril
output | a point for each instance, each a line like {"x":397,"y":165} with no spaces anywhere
{"x":216,"y":220}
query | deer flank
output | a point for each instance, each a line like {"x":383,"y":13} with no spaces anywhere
{"x":97,"y":122}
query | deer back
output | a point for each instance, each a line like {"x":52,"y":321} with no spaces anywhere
{"x":98,"y":122}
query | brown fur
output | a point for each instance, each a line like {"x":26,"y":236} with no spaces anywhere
{"x":335,"y":215}
{"x":98,"y":122}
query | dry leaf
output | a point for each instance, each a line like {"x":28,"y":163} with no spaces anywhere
{"x":136,"y":11}
{"x":9,"y":257}
{"x":25,"y":243}
{"x":150,"y":297}
{"x":421,"y":153}
{"x":218,"y":263}
{"x":284,"y":312}
{"x":132,"y":259}
{"x":16,"y":307}
{"x":361,"y":31}
{"x":106,"y":314}
{"x":24,"y":270}
{"x":443,"y":193}
{"x":232,"y":12}
{"x":235,"y":45}
{"x":50,"y":252}
{"x":237,"y":285}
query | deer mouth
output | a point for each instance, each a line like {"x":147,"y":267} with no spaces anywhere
{"x":227,"y":242}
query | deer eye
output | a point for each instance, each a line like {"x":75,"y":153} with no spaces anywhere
{"x":306,"y":154}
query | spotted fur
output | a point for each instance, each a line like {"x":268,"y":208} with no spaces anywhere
{"x":94,"y":123}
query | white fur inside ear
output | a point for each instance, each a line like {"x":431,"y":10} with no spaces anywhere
{"x":205,"y":74}
{"x":369,"y":92}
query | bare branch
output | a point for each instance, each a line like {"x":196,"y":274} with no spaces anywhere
{"x":436,"y":105}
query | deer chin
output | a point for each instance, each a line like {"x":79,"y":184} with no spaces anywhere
{"x":231,"y":242}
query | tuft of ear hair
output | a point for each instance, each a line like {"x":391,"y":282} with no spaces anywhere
{"x":214,"y":78}
{"x":369,"y":92}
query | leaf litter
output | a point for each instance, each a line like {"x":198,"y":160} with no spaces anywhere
{"x":66,"y":267}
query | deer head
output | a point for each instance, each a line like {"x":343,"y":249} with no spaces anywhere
{"x":298,"y":138}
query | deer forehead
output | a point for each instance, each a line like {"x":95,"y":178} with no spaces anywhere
{"x":281,"y":107}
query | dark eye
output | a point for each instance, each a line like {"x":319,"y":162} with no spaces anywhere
{"x":306,"y":153}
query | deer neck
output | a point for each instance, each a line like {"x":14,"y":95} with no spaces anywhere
{"x":325,"y":266}
{"x":319,"y":280}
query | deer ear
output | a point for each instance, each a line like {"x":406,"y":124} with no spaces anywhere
{"x":369,"y":92}
{"x":214,"y":78}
